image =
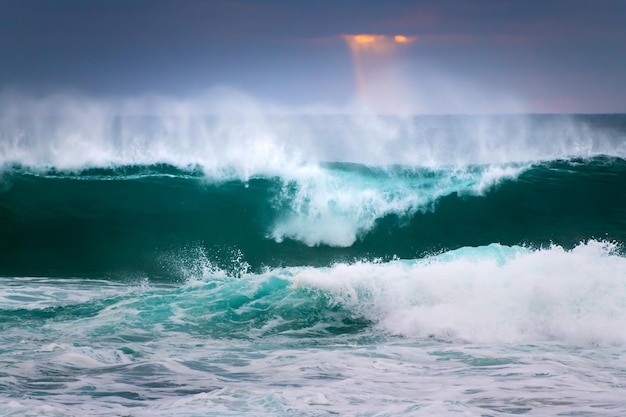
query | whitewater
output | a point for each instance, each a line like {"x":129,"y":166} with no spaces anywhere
{"x":252,"y":262}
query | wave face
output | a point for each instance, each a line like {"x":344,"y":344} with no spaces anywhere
{"x":314,"y":265}
{"x":136,"y":219}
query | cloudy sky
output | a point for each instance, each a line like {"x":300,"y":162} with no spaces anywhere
{"x":462,"y":56}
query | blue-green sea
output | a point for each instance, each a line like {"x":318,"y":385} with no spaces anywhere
{"x":312,"y":265}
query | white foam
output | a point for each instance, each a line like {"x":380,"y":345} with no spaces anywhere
{"x":490,"y":294}
{"x":337,"y":207}
{"x":40,"y":293}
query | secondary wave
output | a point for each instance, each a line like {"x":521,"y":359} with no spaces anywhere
{"x":487,"y":294}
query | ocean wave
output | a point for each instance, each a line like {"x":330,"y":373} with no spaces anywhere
{"x":488,"y":294}
{"x":109,"y":222}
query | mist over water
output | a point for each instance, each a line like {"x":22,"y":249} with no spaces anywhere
{"x":230,"y":135}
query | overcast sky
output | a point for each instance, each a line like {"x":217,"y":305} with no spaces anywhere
{"x":485,"y":56}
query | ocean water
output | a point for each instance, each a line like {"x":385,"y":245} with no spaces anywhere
{"x":312,"y":265}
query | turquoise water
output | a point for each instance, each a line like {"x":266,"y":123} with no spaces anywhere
{"x":480,"y":271}
{"x":134,"y":220}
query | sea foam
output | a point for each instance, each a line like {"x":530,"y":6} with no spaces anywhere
{"x":490,"y":294}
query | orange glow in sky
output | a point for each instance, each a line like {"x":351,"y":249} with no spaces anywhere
{"x":404,"y":39}
{"x":376,"y":43}
{"x":372,"y":54}
{"x":365,"y":38}
{"x":369,"y":42}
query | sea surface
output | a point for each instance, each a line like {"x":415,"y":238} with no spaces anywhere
{"x":312,"y":265}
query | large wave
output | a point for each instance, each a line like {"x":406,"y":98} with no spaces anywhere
{"x":93,"y":185}
{"x":135,"y":219}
